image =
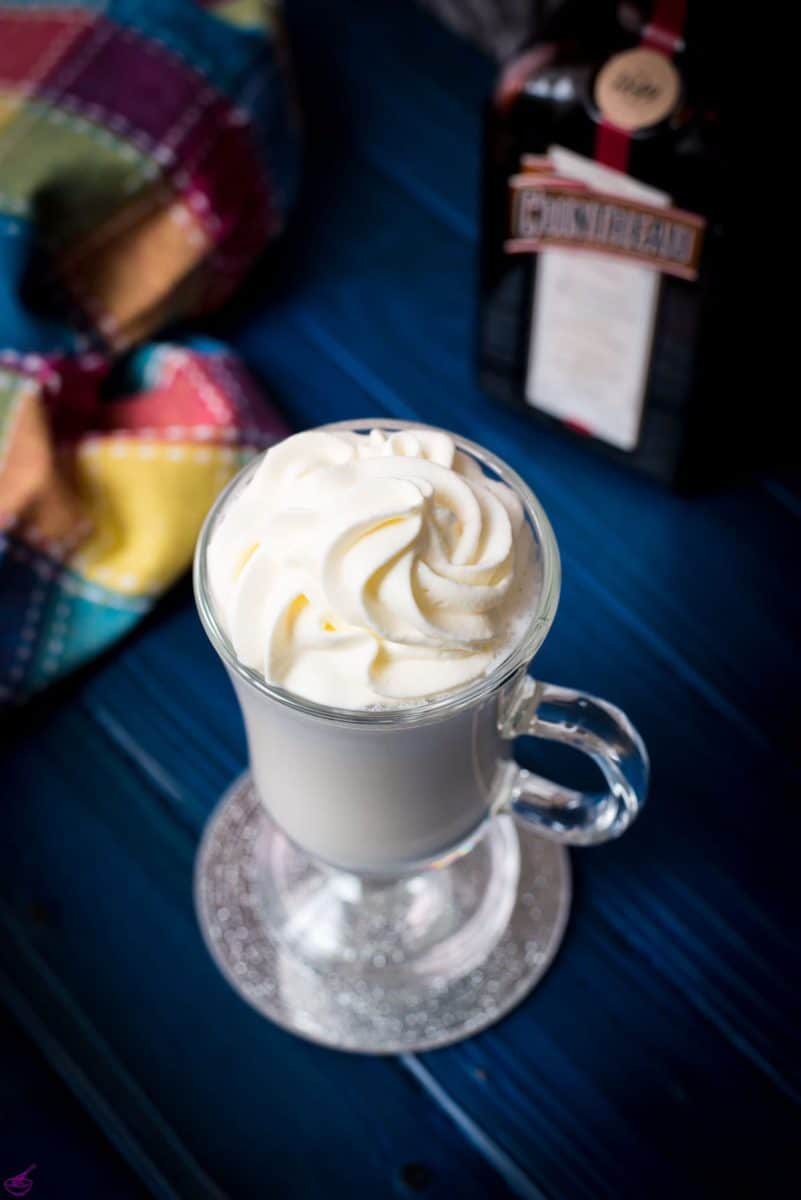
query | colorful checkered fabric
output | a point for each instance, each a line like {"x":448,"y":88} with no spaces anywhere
{"x":147,"y":154}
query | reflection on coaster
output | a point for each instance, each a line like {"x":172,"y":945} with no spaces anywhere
{"x":377,"y":967}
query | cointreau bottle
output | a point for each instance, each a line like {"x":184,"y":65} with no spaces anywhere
{"x":602,"y":234}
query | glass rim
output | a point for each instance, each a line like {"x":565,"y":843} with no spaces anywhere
{"x":428,"y":710}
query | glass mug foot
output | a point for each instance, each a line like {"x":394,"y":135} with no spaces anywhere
{"x":378,"y":966}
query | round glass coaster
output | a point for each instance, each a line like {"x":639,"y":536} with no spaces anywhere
{"x":377,"y":967}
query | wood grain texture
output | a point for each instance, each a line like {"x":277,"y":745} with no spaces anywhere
{"x":124,"y":936}
{"x":42,"y":1124}
{"x":661,"y":1055}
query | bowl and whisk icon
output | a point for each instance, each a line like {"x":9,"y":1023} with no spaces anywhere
{"x":20,"y":1185}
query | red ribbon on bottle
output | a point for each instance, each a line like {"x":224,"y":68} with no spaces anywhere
{"x":663,"y":33}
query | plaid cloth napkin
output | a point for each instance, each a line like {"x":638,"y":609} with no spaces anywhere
{"x":147,"y":155}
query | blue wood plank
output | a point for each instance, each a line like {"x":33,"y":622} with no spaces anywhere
{"x":606,"y":1084}
{"x":543,"y":1082}
{"x":401,"y":91}
{"x":42,"y":1124}
{"x":110,"y":855}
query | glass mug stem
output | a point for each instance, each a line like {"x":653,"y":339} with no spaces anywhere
{"x":597,"y":729}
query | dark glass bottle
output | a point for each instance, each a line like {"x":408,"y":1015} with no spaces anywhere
{"x":664,"y":376}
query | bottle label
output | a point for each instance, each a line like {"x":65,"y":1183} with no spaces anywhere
{"x":593,"y":315}
{"x":637,"y":88}
{"x":554,"y":210}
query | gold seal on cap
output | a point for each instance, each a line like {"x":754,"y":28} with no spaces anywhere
{"x":637,"y":88}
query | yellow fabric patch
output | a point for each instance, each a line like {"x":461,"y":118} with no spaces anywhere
{"x":148,"y":501}
{"x":248,"y":14}
{"x":9,"y":107}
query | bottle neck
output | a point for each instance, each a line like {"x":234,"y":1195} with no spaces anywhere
{"x":639,"y":88}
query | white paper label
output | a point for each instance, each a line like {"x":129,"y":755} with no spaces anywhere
{"x":592,"y":323}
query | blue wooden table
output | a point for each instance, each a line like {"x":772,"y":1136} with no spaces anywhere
{"x":660,"y":1056}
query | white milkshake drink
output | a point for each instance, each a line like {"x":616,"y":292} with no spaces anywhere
{"x":386,"y":877}
{"x":379,"y":573}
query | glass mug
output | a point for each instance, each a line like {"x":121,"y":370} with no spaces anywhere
{"x":397,"y":844}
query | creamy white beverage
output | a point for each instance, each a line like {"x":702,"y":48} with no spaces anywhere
{"x":364,"y":570}
{"x":369,"y":572}
{"x":376,"y":593}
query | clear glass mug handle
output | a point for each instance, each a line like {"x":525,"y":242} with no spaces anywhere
{"x":587,"y":724}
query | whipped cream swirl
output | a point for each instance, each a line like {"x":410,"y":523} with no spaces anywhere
{"x":371,"y":570}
